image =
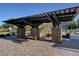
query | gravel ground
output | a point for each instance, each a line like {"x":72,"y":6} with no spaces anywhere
{"x":32,"y":48}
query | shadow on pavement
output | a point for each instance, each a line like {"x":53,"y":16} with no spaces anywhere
{"x":46,"y":39}
{"x":68,"y":44}
{"x":12,"y":38}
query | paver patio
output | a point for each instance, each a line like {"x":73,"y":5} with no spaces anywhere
{"x":35,"y":48}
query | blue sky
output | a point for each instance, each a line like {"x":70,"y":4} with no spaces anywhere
{"x":10,"y":10}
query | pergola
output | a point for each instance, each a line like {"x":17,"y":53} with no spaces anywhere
{"x":55,"y":17}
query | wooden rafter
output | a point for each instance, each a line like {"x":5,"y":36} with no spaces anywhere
{"x":55,"y":16}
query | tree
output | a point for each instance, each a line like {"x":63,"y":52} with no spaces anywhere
{"x":28,"y":27}
{"x":78,"y":22}
{"x":73,"y":25}
{"x":69,"y":27}
{"x":7,"y":25}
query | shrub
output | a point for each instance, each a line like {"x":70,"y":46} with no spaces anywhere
{"x":64,"y":36}
{"x":48,"y":35}
{"x":2,"y":35}
{"x":8,"y":34}
{"x":13,"y":33}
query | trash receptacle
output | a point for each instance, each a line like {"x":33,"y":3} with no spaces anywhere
{"x":67,"y":35}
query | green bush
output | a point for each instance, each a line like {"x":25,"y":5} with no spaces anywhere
{"x":13,"y":33}
{"x":8,"y":34}
{"x":2,"y":35}
{"x":48,"y":35}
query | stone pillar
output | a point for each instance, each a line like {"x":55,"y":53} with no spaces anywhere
{"x":35,"y":33}
{"x":57,"y":34}
{"x":21,"y":33}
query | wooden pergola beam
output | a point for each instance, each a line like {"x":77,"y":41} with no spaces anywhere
{"x":49,"y":15}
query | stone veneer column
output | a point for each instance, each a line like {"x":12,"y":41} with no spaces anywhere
{"x":35,"y":33}
{"x":57,"y":34}
{"x":21,"y":32}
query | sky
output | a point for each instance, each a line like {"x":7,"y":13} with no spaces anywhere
{"x":12,"y":10}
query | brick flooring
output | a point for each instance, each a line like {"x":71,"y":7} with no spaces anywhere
{"x":35,"y":48}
